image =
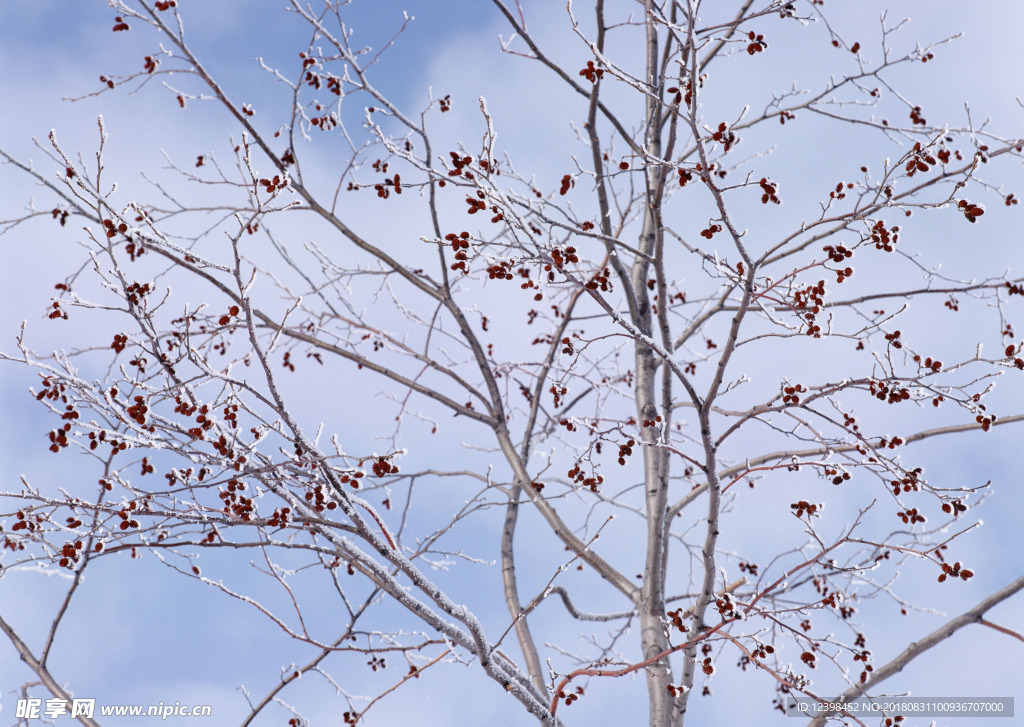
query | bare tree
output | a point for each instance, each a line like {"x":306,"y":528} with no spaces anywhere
{"x":358,"y":375}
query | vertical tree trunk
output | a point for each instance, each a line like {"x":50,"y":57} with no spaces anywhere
{"x":654,"y":637}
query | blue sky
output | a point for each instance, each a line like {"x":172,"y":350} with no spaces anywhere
{"x":142,"y":635}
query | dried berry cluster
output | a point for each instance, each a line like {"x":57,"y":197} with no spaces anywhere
{"x":136,"y":291}
{"x":577,"y":476}
{"x":571,"y":696}
{"x":272,"y":185}
{"x":882,"y":391}
{"x":726,"y":607}
{"x":625,"y":450}
{"x":911,"y":516}
{"x":802,"y":506}
{"x":384,"y":188}
{"x":314,"y":79}
{"x":884,"y":239}
{"x":810,"y":300}
{"x":791,"y":394}
{"x":955,"y":571}
{"x":320,"y":501}
{"x":382,"y":466}
{"x":325,"y":122}
{"x":676,"y":617}
{"x":954,"y":508}
{"x":910,"y":482}
{"x":894,"y":339}
{"x":769,"y":191}
{"x":591,"y":72}
{"x":501,"y":270}
{"x":279,"y":518}
{"x":920,"y":159}
{"x":838,"y":476}
{"x":757,"y":43}
{"x":838,"y":253}
{"x":724,"y":137}
{"x":928,"y":363}
{"x":460,"y":165}
{"x":459,"y":243}
{"x":235,"y":503}
{"x":70,"y":554}
{"x":233,"y":312}
{"x":971,"y":211}
{"x":111,"y":229}
{"x":600,"y":281}
{"x":710,"y":231}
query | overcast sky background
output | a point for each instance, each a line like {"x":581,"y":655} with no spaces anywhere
{"x":144,"y":636}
